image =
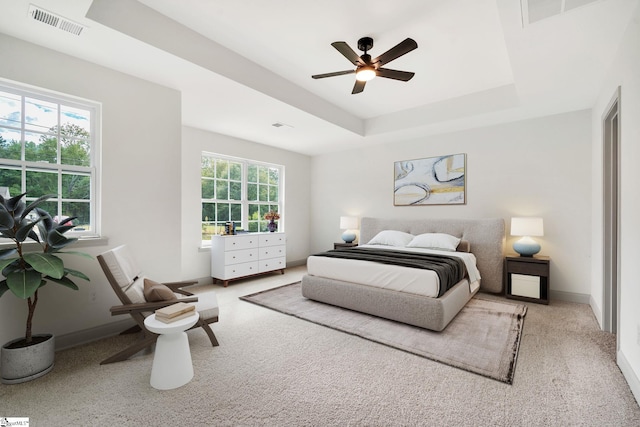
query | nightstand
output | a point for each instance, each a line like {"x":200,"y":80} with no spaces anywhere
{"x":527,"y":278}
{"x":344,"y":245}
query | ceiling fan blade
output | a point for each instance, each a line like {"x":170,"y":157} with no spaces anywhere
{"x":405,"y":76}
{"x":397,"y":51}
{"x":348,"y":53}
{"x":358,"y":87}
{"x":337,"y":73}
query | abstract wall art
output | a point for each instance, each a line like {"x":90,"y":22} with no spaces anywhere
{"x":431,"y":181}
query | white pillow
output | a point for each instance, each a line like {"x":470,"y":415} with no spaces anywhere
{"x":440,"y":241}
{"x":391,"y":238}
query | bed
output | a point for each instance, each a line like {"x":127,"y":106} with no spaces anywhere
{"x":398,"y":292}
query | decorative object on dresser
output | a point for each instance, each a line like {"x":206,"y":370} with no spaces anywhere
{"x":349,"y":224}
{"x":431,"y":181}
{"x":272,"y":216}
{"x":527,"y":278}
{"x":526,"y":227}
{"x":244,"y":255}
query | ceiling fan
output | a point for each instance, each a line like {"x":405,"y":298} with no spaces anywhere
{"x":366,"y":68}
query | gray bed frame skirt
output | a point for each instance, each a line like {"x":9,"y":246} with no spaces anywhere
{"x":486,"y":238}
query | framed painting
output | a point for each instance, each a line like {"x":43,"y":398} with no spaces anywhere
{"x":431,"y":181}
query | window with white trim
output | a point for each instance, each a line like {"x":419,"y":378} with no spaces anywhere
{"x":240,"y":191}
{"x":49,"y":145}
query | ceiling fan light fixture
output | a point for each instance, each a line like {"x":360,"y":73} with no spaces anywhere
{"x":366,"y":73}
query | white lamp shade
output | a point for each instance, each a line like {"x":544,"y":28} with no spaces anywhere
{"x":527,"y":226}
{"x":348,"y":222}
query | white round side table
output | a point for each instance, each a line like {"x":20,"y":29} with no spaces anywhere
{"x":172,"y":366}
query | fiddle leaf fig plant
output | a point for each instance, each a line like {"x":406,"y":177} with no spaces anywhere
{"x":25,"y":272}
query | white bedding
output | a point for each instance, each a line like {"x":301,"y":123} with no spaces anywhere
{"x":392,"y":277}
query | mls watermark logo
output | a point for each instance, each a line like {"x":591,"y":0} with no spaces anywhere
{"x":14,"y":421}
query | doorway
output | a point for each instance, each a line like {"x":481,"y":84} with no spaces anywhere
{"x":611,"y":214}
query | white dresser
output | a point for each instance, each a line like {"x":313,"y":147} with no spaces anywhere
{"x":242,"y":255}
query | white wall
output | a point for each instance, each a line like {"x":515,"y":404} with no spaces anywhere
{"x":625,"y":73}
{"x":141,"y":131}
{"x":296,"y":196}
{"x":538,"y":167}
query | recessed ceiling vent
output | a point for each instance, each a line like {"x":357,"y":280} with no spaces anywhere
{"x":54,"y":20}
{"x":537,"y":10}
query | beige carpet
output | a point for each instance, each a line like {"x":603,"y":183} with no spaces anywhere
{"x":483,"y":338}
{"x":275,"y":370}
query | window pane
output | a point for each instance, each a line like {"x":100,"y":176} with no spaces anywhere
{"x":236,"y":214}
{"x":263,"y":175}
{"x":273,"y":193}
{"x":10,"y":109}
{"x":41,"y":183}
{"x":50,"y":206}
{"x":40,"y":115}
{"x":273,"y":176}
{"x":208,"y":188}
{"x":208,"y":212}
{"x":40,"y":148}
{"x":252,"y":173}
{"x":222,"y":212}
{"x":12,"y":179}
{"x":235,"y":172}
{"x":76,"y":186}
{"x":208,"y":167}
{"x":222,"y":169}
{"x":263,"y":191}
{"x":235,"y":191}
{"x":254,"y":212}
{"x":77,"y":118}
{"x":10,"y":147}
{"x":81,"y":210}
{"x":252,"y":192}
{"x":222,"y":189}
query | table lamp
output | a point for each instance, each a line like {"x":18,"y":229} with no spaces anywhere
{"x":526,"y":227}
{"x":349,"y":224}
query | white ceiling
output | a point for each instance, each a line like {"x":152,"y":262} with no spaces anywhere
{"x":244,"y":65}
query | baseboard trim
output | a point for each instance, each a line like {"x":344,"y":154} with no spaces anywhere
{"x":85,"y":336}
{"x":629,"y":375}
{"x":570,"y":297}
{"x":596,"y":311}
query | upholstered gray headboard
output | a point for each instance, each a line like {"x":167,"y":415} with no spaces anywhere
{"x":486,"y":237}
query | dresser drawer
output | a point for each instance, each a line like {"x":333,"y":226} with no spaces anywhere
{"x":232,"y":243}
{"x":273,"y":252}
{"x":272,"y":264}
{"x":272,"y":239}
{"x":244,"y":255}
{"x":240,"y":270}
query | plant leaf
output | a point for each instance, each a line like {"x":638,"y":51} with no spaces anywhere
{"x":7,"y":252}
{"x":77,"y":273}
{"x":82,"y":254}
{"x":65,"y":281}
{"x":6,"y":219}
{"x":47,"y":264}
{"x":3,"y":287}
{"x":24,"y":283}
{"x":40,"y":200}
{"x":5,"y":262}
{"x":25,"y":230}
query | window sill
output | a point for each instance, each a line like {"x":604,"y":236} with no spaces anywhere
{"x":83,"y":242}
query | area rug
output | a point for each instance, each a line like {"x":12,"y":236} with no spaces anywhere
{"x":483,"y":338}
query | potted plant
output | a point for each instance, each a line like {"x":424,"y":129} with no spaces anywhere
{"x":25,"y":273}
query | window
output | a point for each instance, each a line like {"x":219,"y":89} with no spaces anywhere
{"x":49,"y":145}
{"x":239,"y":191}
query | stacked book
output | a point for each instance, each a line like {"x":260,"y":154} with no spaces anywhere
{"x":175,"y":312}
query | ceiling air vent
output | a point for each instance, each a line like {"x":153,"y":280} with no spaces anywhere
{"x":537,"y":10}
{"x":54,"y":20}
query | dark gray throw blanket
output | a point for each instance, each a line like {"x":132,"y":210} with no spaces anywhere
{"x":450,"y":269}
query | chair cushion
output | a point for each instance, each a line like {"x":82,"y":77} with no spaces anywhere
{"x":154,"y":291}
{"x":122,"y":265}
{"x":135,"y":292}
{"x":207,"y":305}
